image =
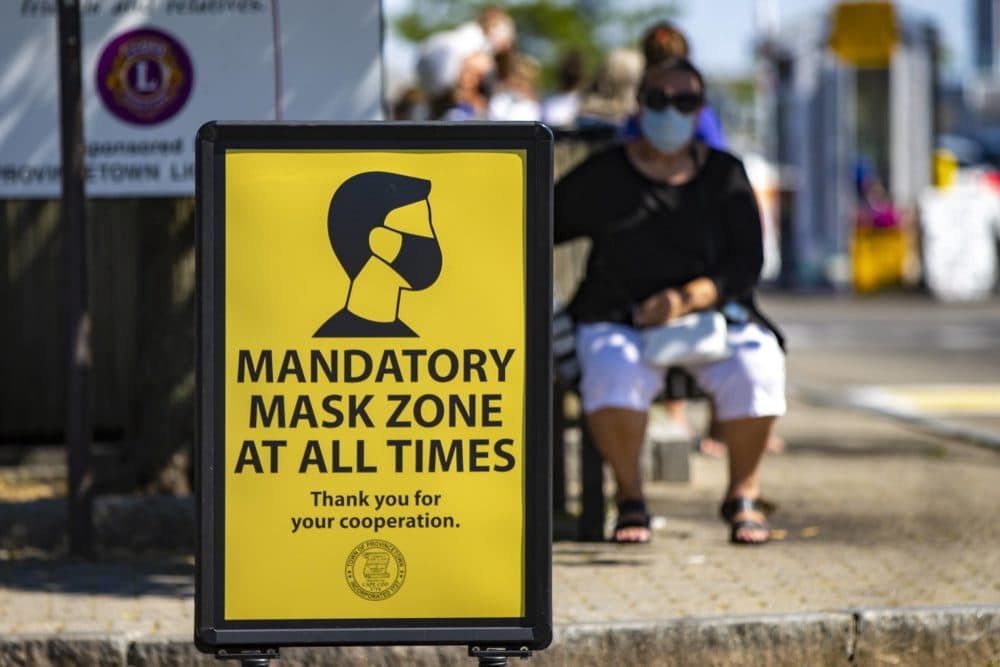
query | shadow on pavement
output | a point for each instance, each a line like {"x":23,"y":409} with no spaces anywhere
{"x":163,"y":525}
{"x":857,"y":448}
{"x":165,"y":577}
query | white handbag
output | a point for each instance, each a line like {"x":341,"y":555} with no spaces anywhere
{"x":696,"y":338}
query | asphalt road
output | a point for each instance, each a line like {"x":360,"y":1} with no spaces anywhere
{"x":901,"y":354}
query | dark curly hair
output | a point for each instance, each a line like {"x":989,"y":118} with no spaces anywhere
{"x":662,"y":41}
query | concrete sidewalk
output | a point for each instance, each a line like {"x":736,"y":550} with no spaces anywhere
{"x":886,"y":550}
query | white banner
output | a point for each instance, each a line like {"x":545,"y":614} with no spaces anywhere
{"x":155,"y":70}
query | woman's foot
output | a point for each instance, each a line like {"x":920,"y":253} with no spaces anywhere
{"x":632,"y":525}
{"x":775,"y":444}
{"x":710,"y":447}
{"x":747,"y":520}
{"x":716,"y":449}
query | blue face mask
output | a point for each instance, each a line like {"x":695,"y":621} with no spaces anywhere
{"x":668,"y":130}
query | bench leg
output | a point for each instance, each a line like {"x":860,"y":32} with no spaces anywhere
{"x":591,"y":524}
{"x":558,"y":451}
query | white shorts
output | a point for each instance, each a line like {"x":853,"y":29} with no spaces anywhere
{"x":750,"y":383}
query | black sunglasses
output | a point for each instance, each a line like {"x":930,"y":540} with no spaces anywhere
{"x":657,"y":100}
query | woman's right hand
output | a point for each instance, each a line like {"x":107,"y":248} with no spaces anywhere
{"x":661,"y":307}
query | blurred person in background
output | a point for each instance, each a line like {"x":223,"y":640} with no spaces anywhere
{"x":875,"y":207}
{"x":514,"y":87}
{"x":499,"y":30}
{"x":516,"y":93}
{"x":458,"y":68}
{"x":410,"y":105}
{"x":674,"y":229}
{"x":561,"y":108}
{"x":611,"y":99}
{"x":455,"y":69}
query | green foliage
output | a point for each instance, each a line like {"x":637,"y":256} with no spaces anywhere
{"x":547,"y":29}
{"x":740,"y":91}
{"x":414,"y":27}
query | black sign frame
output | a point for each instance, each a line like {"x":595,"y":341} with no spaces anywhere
{"x":212,"y":632}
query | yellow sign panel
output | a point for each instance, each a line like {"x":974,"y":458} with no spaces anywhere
{"x":864,"y":33}
{"x":374,"y":356}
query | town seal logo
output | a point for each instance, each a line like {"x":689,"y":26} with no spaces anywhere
{"x":375,"y":570}
{"x":380,"y":229}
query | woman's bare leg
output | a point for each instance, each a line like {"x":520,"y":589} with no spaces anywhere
{"x":711,"y":444}
{"x":747,"y":440}
{"x":618,"y":434}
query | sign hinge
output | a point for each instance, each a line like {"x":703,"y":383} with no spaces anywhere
{"x":495,"y":656}
{"x":249,"y":657}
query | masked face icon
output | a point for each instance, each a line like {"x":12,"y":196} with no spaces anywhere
{"x":381,"y":231}
{"x":417,"y":256}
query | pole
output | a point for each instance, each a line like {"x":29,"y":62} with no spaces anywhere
{"x":78,"y":428}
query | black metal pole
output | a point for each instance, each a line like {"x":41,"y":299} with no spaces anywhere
{"x":78,"y":428}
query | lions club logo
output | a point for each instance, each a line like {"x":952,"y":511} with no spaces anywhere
{"x":144,"y":76}
{"x":375,"y":570}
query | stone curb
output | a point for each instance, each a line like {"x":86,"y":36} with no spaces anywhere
{"x":930,"y":636}
{"x":909,"y":636}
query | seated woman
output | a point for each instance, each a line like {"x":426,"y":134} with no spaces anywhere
{"x":674,"y":228}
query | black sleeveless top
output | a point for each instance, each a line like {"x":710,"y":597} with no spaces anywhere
{"x":648,"y":235}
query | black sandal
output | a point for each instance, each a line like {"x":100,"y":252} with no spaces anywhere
{"x":740,"y":505}
{"x":631,"y":514}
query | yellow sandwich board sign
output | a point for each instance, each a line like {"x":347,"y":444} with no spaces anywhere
{"x":374,"y":384}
